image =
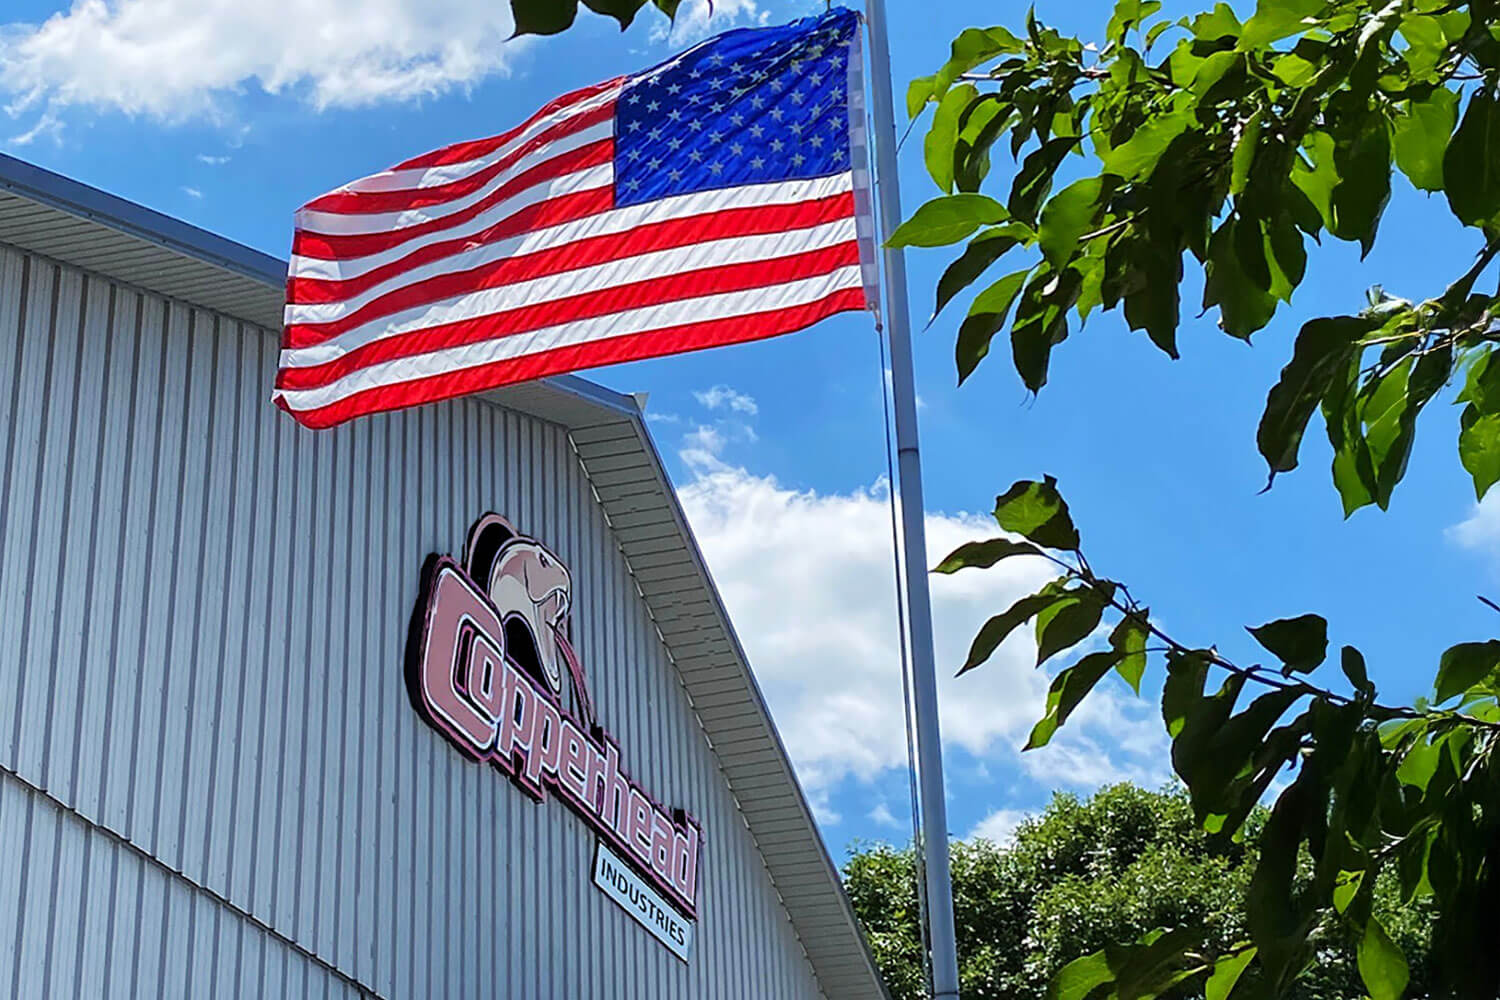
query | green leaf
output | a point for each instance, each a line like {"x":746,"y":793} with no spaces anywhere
{"x":1067,"y":623}
{"x":918,"y":93}
{"x":1316,"y":175}
{"x":1300,"y":643}
{"x":1381,"y":964}
{"x":1479,"y":448}
{"x":942,"y":136}
{"x":1216,"y":24}
{"x":1068,"y":215}
{"x":1129,"y":14}
{"x":995,"y":631}
{"x":983,"y":555}
{"x":1322,"y":352}
{"x":1227,"y":972}
{"x":543,"y":17}
{"x":1042,"y":322}
{"x":1352,"y":662}
{"x":1465,"y":665}
{"x":982,"y":251}
{"x":1275,"y":20}
{"x":1362,"y":157}
{"x":986,"y":316}
{"x":1186,"y":674}
{"x":1080,"y":977}
{"x":1034,"y":179}
{"x":947,"y":220}
{"x":1345,"y":888}
{"x":1129,"y":641}
{"x":1471,"y":166}
{"x":1154,"y":304}
{"x":1245,"y":302}
{"x":1037,"y":512}
{"x":1137,"y":157}
{"x":1244,"y":154}
{"x":971,"y":48}
{"x":1068,"y":689}
{"x":1421,"y":138}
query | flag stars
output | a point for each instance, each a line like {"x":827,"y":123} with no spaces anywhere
{"x":758,"y":162}
{"x":695,"y":156}
{"x":798,"y":159}
{"x":716,"y":168}
{"x":816,"y":142}
{"x":653,"y":106}
{"x":716,"y":59}
{"x":737,"y":149}
{"x":674,"y":88}
{"x":675,"y":114}
{"x":674,"y":174}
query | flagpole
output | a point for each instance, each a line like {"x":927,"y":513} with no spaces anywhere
{"x":913,"y":532}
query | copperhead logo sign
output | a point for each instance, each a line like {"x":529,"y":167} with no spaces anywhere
{"x":491,"y":665}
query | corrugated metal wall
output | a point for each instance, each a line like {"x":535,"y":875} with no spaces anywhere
{"x":203,"y":610}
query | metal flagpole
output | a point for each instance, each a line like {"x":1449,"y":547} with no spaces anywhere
{"x":913,"y":533}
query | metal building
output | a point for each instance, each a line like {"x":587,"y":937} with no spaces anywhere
{"x":220,"y":771}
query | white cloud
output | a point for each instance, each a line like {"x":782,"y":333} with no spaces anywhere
{"x":1480,"y":531}
{"x":192,"y":192}
{"x":999,"y":826}
{"x":881,"y":815}
{"x":697,"y":19}
{"x":723,"y":397}
{"x":177,"y":59}
{"x":212,"y":161}
{"x":808,"y":581}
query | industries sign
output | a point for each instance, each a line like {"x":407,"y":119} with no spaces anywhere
{"x":491,"y":665}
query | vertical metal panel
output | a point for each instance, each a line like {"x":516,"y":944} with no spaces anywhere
{"x":213,"y":780}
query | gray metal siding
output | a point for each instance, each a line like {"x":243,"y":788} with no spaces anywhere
{"x":203,"y":611}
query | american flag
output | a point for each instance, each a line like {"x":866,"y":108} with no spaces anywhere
{"x":716,"y":198}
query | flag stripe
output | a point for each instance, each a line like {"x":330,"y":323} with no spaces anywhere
{"x":463,"y":152}
{"x":358,"y":212}
{"x":486,"y":316}
{"x":322,"y":313}
{"x":461,"y":381}
{"x":576,"y":170}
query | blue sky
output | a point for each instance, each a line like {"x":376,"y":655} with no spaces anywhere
{"x":231,"y":115}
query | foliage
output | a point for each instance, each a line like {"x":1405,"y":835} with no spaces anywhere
{"x":1231,"y":145}
{"x":548,"y":17}
{"x":1402,"y":798}
{"x":1082,"y":875}
{"x":1227,"y":145}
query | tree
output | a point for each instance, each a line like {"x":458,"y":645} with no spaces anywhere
{"x":1225,"y":146}
{"x":1079,"y":876}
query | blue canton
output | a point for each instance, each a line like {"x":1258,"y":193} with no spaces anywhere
{"x":752,"y":106}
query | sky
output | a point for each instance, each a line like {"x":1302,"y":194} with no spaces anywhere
{"x":230,"y":115}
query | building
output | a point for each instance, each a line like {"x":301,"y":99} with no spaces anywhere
{"x":441,"y":703}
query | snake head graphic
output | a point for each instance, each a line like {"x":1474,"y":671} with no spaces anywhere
{"x":533,"y":592}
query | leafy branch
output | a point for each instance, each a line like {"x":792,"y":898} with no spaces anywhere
{"x":1230,"y":149}
{"x":1410,"y":789}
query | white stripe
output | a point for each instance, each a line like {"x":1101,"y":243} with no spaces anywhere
{"x":614,"y":221}
{"x":553,"y":287}
{"x":587,"y":179}
{"x":728,"y":305}
{"x":309,"y":313}
{"x":362,"y":223}
{"x":416,"y":178}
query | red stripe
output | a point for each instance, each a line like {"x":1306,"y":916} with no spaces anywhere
{"x":587,"y":305}
{"x":629,"y":347}
{"x":408,"y":199}
{"x":462,"y":152}
{"x":334,"y":247}
{"x":583,"y":253}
